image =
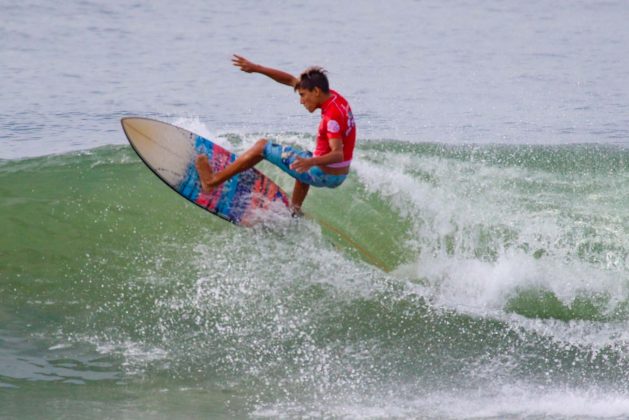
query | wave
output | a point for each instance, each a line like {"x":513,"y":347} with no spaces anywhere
{"x":501,"y":264}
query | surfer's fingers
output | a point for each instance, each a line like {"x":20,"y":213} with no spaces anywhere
{"x":240,"y":61}
{"x":295,"y":163}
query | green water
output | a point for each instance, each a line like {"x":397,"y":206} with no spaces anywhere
{"x":435,"y":278}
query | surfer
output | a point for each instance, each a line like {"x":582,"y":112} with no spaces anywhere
{"x":327,"y":167}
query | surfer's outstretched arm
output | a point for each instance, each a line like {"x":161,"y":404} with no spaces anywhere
{"x":275,"y":74}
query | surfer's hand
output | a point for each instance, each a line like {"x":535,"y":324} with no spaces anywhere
{"x":300,"y":165}
{"x":244,"y":64}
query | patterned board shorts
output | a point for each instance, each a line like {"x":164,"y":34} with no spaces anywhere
{"x":284,"y":156}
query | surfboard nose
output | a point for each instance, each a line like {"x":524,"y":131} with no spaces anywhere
{"x":163,"y":147}
{"x":130,"y":123}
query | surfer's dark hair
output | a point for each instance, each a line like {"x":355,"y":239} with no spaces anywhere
{"x":314,"y":77}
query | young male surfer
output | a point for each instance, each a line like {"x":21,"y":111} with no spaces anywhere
{"x":328,"y":166}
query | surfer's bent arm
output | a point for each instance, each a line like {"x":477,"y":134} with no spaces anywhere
{"x":333,"y":156}
{"x":275,"y":74}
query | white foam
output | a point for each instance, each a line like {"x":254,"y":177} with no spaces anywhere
{"x":517,"y":400}
{"x":195,"y":125}
{"x":247,"y":138}
{"x":481,"y":238}
{"x":527,"y":400}
{"x":488,"y":285}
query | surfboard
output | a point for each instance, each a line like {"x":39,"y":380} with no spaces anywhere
{"x":170,"y":151}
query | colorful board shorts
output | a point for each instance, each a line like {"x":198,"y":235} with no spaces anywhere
{"x":284,"y":156}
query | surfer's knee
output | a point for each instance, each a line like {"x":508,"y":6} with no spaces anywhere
{"x":260,"y":145}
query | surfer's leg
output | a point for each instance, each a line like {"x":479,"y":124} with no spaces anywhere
{"x":299,"y":195}
{"x":247,"y":160}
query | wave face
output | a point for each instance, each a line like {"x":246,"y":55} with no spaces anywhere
{"x":504,"y":291}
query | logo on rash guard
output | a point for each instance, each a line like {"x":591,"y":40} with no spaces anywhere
{"x":333,"y":127}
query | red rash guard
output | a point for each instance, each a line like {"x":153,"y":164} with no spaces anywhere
{"x":337,"y":121}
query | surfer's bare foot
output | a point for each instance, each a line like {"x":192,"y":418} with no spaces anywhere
{"x":205,"y":173}
{"x":296,"y":212}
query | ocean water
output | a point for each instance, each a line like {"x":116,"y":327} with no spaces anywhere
{"x":474,"y":265}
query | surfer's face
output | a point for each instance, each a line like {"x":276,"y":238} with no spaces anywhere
{"x":310,"y":98}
